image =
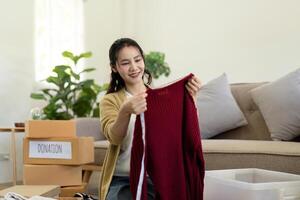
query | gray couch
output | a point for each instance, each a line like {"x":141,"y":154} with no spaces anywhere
{"x":250,"y":146}
{"x":91,"y":127}
{"x":245,"y":147}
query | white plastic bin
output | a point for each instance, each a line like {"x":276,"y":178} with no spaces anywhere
{"x":251,"y":184}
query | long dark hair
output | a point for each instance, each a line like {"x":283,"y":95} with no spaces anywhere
{"x":116,"y":81}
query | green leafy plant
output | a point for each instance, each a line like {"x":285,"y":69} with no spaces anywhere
{"x":155,"y":63}
{"x":69,"y":96}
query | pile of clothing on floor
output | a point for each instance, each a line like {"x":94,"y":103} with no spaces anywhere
{"x":15,"y":196}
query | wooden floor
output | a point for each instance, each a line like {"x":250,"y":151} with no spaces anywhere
{"x":9,"y":184}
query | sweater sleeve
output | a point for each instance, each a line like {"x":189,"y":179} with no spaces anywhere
{"x":109,"y":110}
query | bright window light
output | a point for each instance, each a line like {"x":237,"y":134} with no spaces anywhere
{"x":58,"y":27}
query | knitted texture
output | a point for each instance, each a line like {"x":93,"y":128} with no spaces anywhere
{"x":173,"y":153}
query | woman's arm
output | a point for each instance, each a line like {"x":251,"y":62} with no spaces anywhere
{"x":133,"y":105}
{"x":115,"y":121}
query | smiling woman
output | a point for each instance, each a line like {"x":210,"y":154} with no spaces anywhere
{"x":125,"y":99}
{"x":127,"y":64}
{"x":130,"y":65}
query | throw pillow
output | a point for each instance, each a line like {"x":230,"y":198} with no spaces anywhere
{"x":217,"y":108}
{"x":279,"y":103}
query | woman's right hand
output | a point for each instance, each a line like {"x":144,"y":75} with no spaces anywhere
{"x":136,"y":104}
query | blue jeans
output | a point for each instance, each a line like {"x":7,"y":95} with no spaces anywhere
{"x":119,"y":189}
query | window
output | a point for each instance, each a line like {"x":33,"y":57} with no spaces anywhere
{"x":58,"y":27}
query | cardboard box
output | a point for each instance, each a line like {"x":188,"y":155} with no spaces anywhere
{"x":70,"y":191}
{"x":50,"y":129}
{"x":61,"y":175}
{"x":33,"y":190}
{"x":58,"y":151}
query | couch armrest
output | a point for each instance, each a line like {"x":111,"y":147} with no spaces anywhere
{"x":89,"y":127}
{"x":100,"y":147}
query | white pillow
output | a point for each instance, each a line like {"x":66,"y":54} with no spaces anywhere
{"x":279,"y":103}
{"x":217,"y":108}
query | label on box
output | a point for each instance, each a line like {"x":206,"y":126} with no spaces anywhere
{"x":50,"y":149}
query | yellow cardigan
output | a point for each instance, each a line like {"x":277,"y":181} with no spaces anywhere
{"x":109,"y":109}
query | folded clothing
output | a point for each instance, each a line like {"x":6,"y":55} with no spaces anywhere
{"x":16,"y":196}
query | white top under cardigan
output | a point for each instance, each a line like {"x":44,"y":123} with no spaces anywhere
{"x":123,"y":162}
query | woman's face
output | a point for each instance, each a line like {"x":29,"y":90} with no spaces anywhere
{"x":130,"y":65}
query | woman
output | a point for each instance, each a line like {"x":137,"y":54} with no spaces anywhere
{"x":125,"y":98}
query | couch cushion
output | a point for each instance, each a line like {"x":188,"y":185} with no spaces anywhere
{"x":279,"y":102}
{"x":218,"y":110}
{"x":271,"y":155}
{"x":256,"y":128}
{"x":251,"y":146}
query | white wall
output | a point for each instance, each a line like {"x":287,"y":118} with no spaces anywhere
{"x":16,"y":73}
{"x":250,"y":40}
{"x":102,"y":27}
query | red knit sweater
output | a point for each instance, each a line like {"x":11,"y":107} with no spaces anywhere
{"x":173,"y":158}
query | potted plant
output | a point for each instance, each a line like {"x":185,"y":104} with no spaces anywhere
{"x":68,"y":95}
{"x":155,"y":63}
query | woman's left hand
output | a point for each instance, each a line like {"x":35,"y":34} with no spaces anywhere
{"x":193,"y":86}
